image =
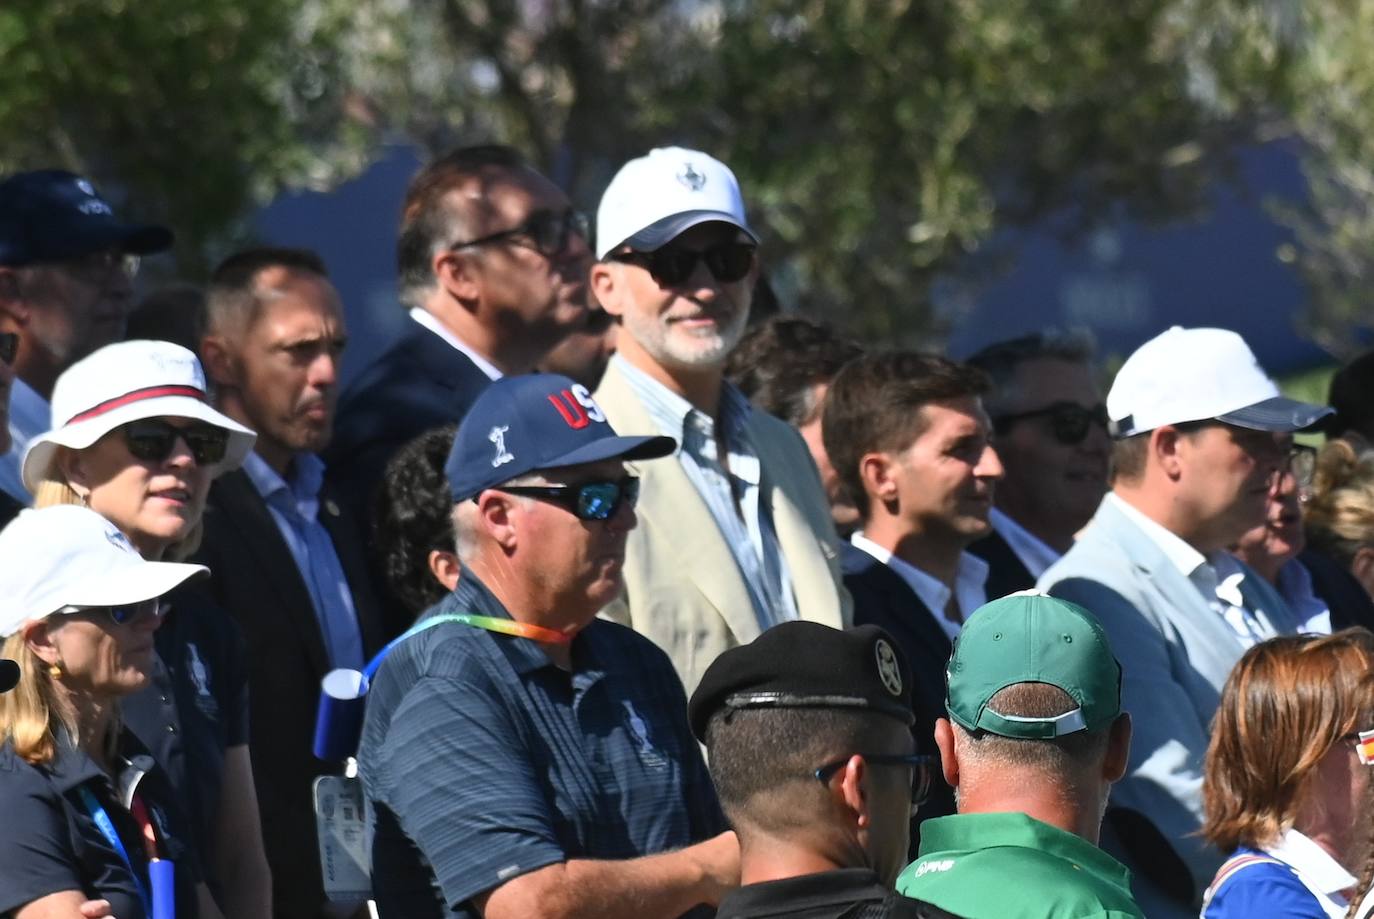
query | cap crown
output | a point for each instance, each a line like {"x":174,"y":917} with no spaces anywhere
{"x":50,"y":215}
{"x":1032,"y":637}
{"x":667,"y":182}
{"x":536,"y":421}
{"x":110,"y":374}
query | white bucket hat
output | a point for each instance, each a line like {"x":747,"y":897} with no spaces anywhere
{"x":663,"y":194}
{"x":126,"y":382}
{"x":68,"y":555}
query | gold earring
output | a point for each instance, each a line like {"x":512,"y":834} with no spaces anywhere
{"x":55,"y":671}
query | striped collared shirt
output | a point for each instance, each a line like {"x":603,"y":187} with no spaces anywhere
{"x":730,"y":489}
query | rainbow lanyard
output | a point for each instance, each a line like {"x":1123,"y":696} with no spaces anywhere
{"x":489,"y":623}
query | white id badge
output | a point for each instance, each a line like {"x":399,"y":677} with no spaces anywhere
{"x":345,"y":839}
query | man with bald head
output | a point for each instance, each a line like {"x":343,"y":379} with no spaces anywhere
{"x":493,"y":263}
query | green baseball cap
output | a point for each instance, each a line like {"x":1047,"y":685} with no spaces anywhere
{"x":1031,"y":637}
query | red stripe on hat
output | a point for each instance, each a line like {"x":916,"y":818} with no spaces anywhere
{"x":138,"y":395}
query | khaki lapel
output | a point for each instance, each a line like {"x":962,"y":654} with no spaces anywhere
{"x":811,"y":571}
{"x":674,"y":522}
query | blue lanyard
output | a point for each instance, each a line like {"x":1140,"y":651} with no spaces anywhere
{"x":107,"y":829}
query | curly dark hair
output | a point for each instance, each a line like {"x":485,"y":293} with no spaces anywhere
{"x":411,"y":518}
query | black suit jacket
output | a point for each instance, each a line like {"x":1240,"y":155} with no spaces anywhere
{"x":254,"y":576}
{"x":1006,"y":573}
{"x":1344,"y":596}
{"x":883,"y":599}
{"x":420,"y":382}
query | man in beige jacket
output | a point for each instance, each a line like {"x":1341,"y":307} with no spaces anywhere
{"x":735,"y":536}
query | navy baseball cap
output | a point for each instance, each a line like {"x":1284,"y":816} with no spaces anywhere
{"x":50,"y":215}
{"x":536,"y":421}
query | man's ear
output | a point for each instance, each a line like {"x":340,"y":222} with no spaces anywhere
{"x":494,"y":516}
{"x":1164,"y":444}
{"x":443,"y":564}
{"x":949,"y":761}
{"x":1118,"y":749}
{"x":459,"y":273}
{"x":605,"y":284}
{"x":12,"y":305}
{"x":876,"y":471}
{"x":853,"y":790}
{"x":218,"y":358}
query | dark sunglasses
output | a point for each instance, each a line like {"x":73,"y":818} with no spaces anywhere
{"x":588,"y":501}
{"x":922,"y":771}
{"x":9,"y":347}
{"x":1069,"y":421}
{"x":119,"y":615}
{"x":672,"y":265}
{"x":153,"y":440}
{"x":548,"y":231}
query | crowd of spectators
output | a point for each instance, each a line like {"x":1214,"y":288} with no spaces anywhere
{"x":643,"y":606}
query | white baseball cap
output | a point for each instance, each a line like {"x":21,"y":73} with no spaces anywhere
{"x":124,"y":382}
{"x":1186,"y":375}
{"x":67,"y":555}
{"x":657,"y":197}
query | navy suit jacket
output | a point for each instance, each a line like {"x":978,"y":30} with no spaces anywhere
{"x":420,"y":382}
{"x":1006,"y":573}
{"x":254,"y":576}
{"x":883,"y":599}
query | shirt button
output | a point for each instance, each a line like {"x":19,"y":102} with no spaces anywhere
{"x":164,"y":700}
{"x":171,"y":729}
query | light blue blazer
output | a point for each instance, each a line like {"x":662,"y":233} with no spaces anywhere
{"x":1175,"y":653}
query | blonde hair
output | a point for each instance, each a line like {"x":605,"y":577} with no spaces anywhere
{"x":1339,"y":517}
{"x":33,"y":711}
{"x":54,"y":490}
{"x":1288,"y":701}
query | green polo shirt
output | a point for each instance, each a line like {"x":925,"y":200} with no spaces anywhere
{"x":1010,"y":866}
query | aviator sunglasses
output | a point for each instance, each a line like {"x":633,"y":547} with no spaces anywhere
{"x":1069,"y":421}
{"x":548,"y":231}
{"x":152,"y":440}
{"x":588,"y":501}
{"x":672,"y":265}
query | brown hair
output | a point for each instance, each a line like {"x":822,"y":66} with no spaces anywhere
{"x":874,"y":404}
{"x":233,"y":299}
{"x":1339,"y":517}
{"x":1285,"y":705}
{"x":428,"y":221}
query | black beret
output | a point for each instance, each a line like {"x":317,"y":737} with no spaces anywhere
{"x":807,"y":665}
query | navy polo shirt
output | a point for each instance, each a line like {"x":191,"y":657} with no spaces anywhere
{"x":482,"y":761}
{"x":195,"y":706}
{"x":50,"y":843}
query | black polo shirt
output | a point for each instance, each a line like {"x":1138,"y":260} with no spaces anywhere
{"x":49,"y":841}
{"x":846,"y":893}
{"x":195,"y":706}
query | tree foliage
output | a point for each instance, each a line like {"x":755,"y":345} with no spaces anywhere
{"x":880,"y":141}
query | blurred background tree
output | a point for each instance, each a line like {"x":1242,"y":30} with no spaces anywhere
{"x":881,"y":141}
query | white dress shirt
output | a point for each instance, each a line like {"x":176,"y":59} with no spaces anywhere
{"x":970,"y":582}
{"x":1217,"y":577}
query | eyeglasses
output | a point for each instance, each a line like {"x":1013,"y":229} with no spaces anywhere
{"x":1069,"y":421}
{"x":152,"y":440}
{"x":588,"y":501}
{"x":9,"y":347}
{"x":100,"y":267}
{"x":672,"y":265}
{"x":120,"y":615}
{"x":548,"y":231}
{"x":1302,"y":462}
{"x":922,"y":766}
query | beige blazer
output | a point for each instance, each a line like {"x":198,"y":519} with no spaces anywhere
{"x":683,"y":589}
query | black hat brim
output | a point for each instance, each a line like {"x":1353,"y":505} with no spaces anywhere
{"x":661,"y":232}
{"x":1279,"y":414}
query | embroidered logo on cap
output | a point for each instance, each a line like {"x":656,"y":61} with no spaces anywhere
{"x":691,"y":178}
{"x":577,"y":407}
{"x":497,"y":436}
{"x":888,"y":671}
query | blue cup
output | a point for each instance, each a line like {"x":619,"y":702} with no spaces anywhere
{"x":339,"y":719}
